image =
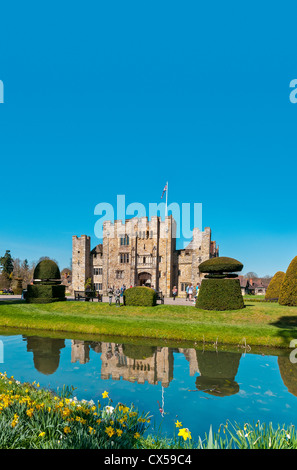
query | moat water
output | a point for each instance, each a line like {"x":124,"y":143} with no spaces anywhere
{"x":199,"y":387}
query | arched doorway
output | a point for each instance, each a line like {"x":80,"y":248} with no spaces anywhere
{"x":144,"y":279}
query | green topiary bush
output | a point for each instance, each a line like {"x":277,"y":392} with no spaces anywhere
{"x":288,"y":291}
{"x":220,"y":294}
{"x":274,"y":287}
{"x":140,"y":296}
{"x":46,"y":284}
{"x":47,"y":271}
{"x":41,"y":294}
{"x":220,"y":290}
{"x":220,"y":265}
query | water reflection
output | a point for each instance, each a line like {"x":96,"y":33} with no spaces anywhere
{"x":46,"y":353}
{"x":288,"y":372}
{"x":218,"y":372}
{"x":141,"y":363}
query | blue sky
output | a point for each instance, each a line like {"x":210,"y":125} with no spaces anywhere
{"x":108,"y":98}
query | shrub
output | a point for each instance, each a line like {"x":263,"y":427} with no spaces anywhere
{"x":140,"y":296}
{"x":288,"y":291}
{"x":41,"y":294}
{"x":46,"y":284}
{"x":220,"y":294}
{"x":274,"y":287}
{"x":47,"y":270}
{"x":220,"y":264}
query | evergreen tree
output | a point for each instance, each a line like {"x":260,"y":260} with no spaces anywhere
{"x":6,"y":263}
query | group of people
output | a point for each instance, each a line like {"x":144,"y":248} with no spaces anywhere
{"x":7,"y":291}
{"x":190,"y":291}
{"x":117,"y":293}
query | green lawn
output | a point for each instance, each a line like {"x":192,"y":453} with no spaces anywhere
{"x":260,"y":323}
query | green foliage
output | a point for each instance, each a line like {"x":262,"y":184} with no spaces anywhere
{"x":47,"y":269}
{"x":274,"y":287}
{"x":140,"y":296}
{"x":33,"y":418}
{"x":6,"y":263}
{"x":39,"y":293}
{"x":288,"y":292}
{"x":19,"y":286}
{"x":220,"y":294}
{"x":220,"y":264}
{"x":89,"y":284}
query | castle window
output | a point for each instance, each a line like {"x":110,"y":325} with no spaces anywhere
{"x":119,"y":274}
{"x":124,"y":240}
{"x":183,"y":286}
{"x":151,"y":234}
{"x":124,"y":257}
{"x":144,"y":260}
{"x":160,"y":259}
{"x":98,"y":286}
{"x":97,"y":271}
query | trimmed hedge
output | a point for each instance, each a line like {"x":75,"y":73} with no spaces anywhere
{"x":274,"y":287}
{"x":288,"y":291}
{"x":41,"y":294}
{"x":220,"y":294}
{"x":47,"y":269}
{"x":140,"y":296}
{"x":220,"y":264}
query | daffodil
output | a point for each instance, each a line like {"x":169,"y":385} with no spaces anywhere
{"x":185,"y":433}
{"x":109,"y":431}
{"x":105,"y":394}
{"x":178,"y":424}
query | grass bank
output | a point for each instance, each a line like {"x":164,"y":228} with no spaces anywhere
{"x":258,"y":324}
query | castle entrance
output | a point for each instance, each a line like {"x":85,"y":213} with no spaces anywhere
{"x":144,"y":279}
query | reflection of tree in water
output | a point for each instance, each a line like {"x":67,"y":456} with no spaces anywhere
{"x":218,"y":371}
{"x":46,"y":352}
{"x":288,"y":372}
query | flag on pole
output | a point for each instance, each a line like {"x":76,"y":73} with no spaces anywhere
{"x":164,"y":190}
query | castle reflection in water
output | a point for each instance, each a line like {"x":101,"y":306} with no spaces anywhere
{"x":216,"y":371}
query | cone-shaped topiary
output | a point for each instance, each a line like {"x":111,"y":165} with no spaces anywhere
{"x":218,"y":290}
{"x":288,"y":292}
{"x":274,"y":287}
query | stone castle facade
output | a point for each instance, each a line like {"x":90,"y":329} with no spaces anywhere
{"x":141,"y":252}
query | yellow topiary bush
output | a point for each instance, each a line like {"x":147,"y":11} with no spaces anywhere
{"x":274,"y":287}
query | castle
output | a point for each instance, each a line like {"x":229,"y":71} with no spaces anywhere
{"x":140,"y":252}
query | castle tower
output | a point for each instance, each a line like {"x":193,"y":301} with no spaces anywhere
{"x":81,"y":261}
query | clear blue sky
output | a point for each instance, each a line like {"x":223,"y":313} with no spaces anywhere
{"x":106,"y":98}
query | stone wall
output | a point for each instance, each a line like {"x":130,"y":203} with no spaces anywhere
{"x":140,"y":252}
{"x":81,"y":261}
